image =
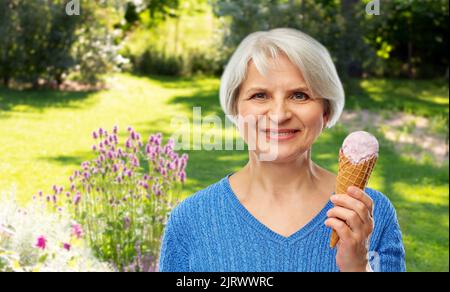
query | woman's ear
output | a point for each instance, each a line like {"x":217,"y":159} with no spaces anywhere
{"x":326,"y":114}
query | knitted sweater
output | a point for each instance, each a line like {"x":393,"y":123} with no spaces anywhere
{"x":212,"y":231}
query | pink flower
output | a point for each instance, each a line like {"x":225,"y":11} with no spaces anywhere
{"x":41,"y":242}
{"x":77,"y":230}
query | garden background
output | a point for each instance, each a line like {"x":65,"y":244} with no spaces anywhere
{"x":141,"y":63}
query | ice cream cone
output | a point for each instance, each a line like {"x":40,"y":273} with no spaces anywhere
{"x":351,"y":174}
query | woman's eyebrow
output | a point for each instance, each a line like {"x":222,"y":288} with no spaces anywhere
{"x":299,"y":88}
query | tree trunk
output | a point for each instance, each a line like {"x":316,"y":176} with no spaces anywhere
{"x":410,"y":64}
{"x":353,"y":67}
{"x":6,"y":80}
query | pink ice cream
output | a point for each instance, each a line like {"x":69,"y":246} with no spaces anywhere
{"x":359,"y":146}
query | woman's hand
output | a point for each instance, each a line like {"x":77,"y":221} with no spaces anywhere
{"x":351,"y":218}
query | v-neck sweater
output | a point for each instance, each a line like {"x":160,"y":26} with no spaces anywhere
{"x":212,"y":231}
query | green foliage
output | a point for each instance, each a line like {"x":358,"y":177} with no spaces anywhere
{"x":43,"y":44}
{"x":408,"y":38}
{"x":416,"y":33}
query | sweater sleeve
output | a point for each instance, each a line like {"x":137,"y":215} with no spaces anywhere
{"x":390,"y":254}
{"x":173,"y":253}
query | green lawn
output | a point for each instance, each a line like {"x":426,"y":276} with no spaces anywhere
{"x":45,"y":135}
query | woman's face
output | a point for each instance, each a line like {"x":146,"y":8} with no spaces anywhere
{"x":286,"y":117}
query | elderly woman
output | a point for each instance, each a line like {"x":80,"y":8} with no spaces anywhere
{"x":278,"y":211}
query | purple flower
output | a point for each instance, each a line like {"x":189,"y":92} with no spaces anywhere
{"x":182,"y":176}
{"x":145,"y":185}
{"x":127,"y":222}
{"x":110,"y":155}
{"x":100,"y":132}
{"x":133,"y":135}
{"x":67,"y":246}
{"x":130,"y":129}
{"x":128,"y":144}
{"x":115,"y":168}
{"x":115,"y":129}
{"x":77,"y":198}
{"x":94,"y":135}
{"x":68,"y":194}
{"x":94,"y":147}
{"x":106,"y":142}
{"x":41,"y":242}
{"x":40,"y":193}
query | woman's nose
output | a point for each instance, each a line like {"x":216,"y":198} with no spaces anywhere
{"x":279,"y":112}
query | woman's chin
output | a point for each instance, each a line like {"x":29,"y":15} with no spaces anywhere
{"x":279,"y":155}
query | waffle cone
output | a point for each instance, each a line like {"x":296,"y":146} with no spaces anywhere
{"x":350,"y":174}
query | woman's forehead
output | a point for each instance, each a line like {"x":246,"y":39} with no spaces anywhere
{"x":282,"y":74}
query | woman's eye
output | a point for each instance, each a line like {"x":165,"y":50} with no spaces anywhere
{"x":300,"y":96}
{"x":259,"y":96}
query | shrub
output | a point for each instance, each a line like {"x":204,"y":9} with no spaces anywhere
{"x":122,"y":197}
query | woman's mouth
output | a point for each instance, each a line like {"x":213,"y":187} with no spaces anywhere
{"x":281,"y":134}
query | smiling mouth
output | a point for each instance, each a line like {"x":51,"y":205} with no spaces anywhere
{"x":280,"y":133}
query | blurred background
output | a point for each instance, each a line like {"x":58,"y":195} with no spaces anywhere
{"x":140,"y":63}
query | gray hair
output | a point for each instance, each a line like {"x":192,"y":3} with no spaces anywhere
{"x":310,"y":56}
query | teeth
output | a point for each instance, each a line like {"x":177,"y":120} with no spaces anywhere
{"x":281,"y":133}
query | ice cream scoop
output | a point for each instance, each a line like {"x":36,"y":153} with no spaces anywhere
{"x":359,"y":145}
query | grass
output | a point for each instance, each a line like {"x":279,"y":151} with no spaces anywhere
{"x":45,"y":135}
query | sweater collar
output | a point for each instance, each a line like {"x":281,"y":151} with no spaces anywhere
{"x":317,"y":220}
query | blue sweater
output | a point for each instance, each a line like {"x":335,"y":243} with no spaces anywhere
{"x":212,"y":231}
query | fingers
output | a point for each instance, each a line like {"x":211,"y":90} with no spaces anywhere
{"x":350,"y":217}
{"x":353,"y":204}
{"x":342,"y":229}
{"x":360,"y":195}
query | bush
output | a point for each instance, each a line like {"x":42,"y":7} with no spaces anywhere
{"x":155,"y":62}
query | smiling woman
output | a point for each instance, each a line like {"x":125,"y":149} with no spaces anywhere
{"x":281,"y":89}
